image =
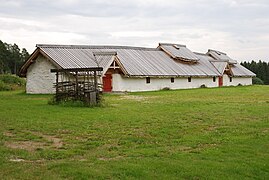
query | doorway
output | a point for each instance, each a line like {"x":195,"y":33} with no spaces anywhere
{"x":220,"y":81}
{"x":107,"y":83}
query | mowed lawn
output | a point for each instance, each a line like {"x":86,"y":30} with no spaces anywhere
{"x":218,"y":133}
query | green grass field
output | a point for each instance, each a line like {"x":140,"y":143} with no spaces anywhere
{"x":218,"y":133}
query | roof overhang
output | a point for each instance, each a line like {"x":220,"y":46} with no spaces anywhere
{"x":31,"y":60}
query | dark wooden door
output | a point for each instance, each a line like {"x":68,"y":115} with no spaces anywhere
{"x":107,"y":83}
{"x":220,"y":81}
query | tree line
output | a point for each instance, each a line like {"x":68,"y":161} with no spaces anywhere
{"x":11,"y":58}
{"x":261,"y":69}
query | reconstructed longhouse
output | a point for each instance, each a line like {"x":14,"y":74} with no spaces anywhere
{"x":132,"y":69}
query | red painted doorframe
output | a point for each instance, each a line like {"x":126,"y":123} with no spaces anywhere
{"x":220,"y":81}
{"x":107,"y":83}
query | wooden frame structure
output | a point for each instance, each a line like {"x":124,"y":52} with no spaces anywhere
{"x":78,"y":84}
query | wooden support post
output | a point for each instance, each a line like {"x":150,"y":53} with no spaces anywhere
{"x":93,"y":98}
{"x":62,"y":82}
{"x":88,"y":79}
{"x":95,"y":81}
{"x":56,"y":86}
{"x":77,"y":85}
{"x":57,"y":81}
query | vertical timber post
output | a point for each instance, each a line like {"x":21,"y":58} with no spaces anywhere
{"x":93,"y":96}
{"x":95,"y":81}
{"x":88,"y":79}
{"x":57,"y":84}
{"x":57,"y":81}
{"x":76,"y":85}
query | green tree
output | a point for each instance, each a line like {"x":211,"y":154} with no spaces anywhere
{"x":4,"y":55}
{"x":261,"y":69}
{"x":11,"y":58}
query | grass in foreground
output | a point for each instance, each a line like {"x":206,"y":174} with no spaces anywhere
{"x":219,"y":133}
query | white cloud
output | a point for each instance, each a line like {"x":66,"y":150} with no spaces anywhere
{"x":238,"y":27}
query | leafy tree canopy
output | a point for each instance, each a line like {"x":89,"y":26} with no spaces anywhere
{"x":260,"y":68}
{"x":11,"y":58}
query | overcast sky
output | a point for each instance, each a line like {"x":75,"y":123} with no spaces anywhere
{"x":238,"y":27}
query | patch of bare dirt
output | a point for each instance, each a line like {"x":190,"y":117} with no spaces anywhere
{"x":199,"y":147}
{"x":56,"y":141}
{"x":114,"y":105}
{"x":135,"y":98}
{"x":26,"y":145}
{"x":8,"y":134}
{"x":207,"y":145}
{"x":27,"y":161}
{"x":185,"y":148}
{"x":64,"y":131}
{"x":211,"y":128}
{"x":31,"y":146}
{"x":111,"y":158}
{"x":17,"y":160}
{"x":79,"y":158}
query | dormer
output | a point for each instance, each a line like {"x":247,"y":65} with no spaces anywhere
{"x":220,"y":56}
{"x":178,"y":52}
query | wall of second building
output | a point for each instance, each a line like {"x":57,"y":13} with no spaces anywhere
{"x":120,"y":83}
{"x":236,"y":80}
{"x":39,"y":78}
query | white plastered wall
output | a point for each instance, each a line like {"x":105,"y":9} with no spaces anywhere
{"x":236,"y":80}
{"x":39,"y":78}
{"x":120,"y":83}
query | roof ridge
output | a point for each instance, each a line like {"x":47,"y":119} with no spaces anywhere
{"x":198,"y":53}
{"x":94,"y":47}
{"x":217,"y":51}
{"x":172,"y":44}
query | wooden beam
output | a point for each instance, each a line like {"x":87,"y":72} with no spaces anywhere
{"x":121,"y":66}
